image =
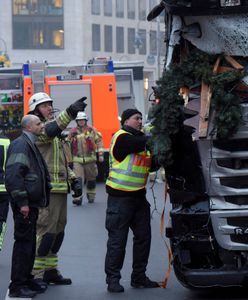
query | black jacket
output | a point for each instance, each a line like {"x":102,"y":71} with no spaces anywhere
{"x":26,"y":176}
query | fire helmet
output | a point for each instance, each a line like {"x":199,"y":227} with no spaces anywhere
{"x":81,"y":116}
{"x":37,"y":99}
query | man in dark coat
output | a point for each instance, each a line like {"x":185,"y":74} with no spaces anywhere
{"x":28,"y":184}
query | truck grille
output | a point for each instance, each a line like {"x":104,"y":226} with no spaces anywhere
{"x":238,"y":182}
{"x":238,"y":200}
{"x":241,"y":239}
{"x":224,"y":165}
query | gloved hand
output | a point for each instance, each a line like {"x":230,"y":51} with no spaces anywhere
{"x":77,"y":187}
{"x":77,"y":106}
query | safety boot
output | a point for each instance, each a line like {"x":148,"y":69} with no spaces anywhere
{"x":54,"y":277}
{"x":91,"y":198}
{"x":37,"y":285}
{"x":115,"y":287}
{"x":77,"y":201}
{"x":144,"y":283}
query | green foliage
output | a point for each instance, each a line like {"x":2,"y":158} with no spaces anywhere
{"x":168,"y":116}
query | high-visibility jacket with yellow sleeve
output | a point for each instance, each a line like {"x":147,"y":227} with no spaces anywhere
{"x":4,"y":143}
{"x":131,"y":173}
{"x":54,"y":151}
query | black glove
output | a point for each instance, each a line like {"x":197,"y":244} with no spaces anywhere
{"x":77,"y":106}
{"x":77,"y":187}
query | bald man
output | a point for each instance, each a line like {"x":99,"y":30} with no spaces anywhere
{"x":28,"y":184}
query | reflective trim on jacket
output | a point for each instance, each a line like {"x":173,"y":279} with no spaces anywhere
{"x":4,"y":143}
{"x":54,"y":153}
{"x":85,"y":143}
{"x":131,"y":173}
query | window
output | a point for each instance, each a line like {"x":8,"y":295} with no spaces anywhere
{"x":96,"y":37}
{"x":95,"y":7}
{"x":142,"y":10}
{"x":108,"y":8}
{"x":162,"y":46}
{"x":162,"y":16}
{"x":37,"y":7}
{"x":119,"y":8}
{"x":142,"y":48}
{"x":38,"y":24}
{"x":152,"y":4}
{"x":119,"y":39}
{"x":108,"y":39}
{"x":131,"y":9}
{"x":37,"y":35}
{"x":131,"y":40}
{"x":153,"y":42}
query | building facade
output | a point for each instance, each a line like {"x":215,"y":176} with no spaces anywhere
{"x":75,"y":31}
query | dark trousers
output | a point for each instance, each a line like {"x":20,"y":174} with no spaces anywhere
{"x":24,"y":247}
{"x":124,"y":213}
{"x":4,"y":207}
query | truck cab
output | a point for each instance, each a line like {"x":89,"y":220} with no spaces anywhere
{"x":200,"y":129}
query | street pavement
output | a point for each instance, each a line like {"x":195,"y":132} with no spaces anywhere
{"x":82,"y":257}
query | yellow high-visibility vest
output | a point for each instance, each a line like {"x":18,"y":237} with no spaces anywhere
{"x":131,"y":173}
{"x":4,"y":142}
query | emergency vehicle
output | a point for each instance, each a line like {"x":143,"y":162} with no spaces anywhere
{"x":109,"y":87}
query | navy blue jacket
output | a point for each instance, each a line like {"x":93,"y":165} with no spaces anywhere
{"x":26,"y":176}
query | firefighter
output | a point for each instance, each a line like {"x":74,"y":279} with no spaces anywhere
{"x":86,"y":143}
{"x":52,"y":220}
{"x":129,"y":164}
{"x":4,"y":197}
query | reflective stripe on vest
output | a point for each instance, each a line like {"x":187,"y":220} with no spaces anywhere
{"x":5,"y":143}
{"x":131,"y":173}
{"x":2,"y":188}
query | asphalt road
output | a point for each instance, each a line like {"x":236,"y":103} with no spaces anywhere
{"x":83,"y":252}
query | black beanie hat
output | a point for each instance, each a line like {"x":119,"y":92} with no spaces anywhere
{"x":128,"y":113}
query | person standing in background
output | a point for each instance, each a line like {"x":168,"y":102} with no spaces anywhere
{"x":86,"y":144}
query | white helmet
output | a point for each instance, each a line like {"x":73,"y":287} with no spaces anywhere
{"x":37,"y":99}
{"x":81,"y":116}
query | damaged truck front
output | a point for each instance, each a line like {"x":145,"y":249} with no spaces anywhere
{"x":200,"y":136}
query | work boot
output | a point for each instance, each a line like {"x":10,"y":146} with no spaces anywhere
{"x":145,"y":283}
{"x":115,"y":287}
{"x":54,"y":277}
{"x":91,"y":198}
{"x":77,"y":201}
{"x":22,"y":292}
{"x":37,"y":285}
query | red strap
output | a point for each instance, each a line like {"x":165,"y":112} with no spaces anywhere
{"x":163,"y":284}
